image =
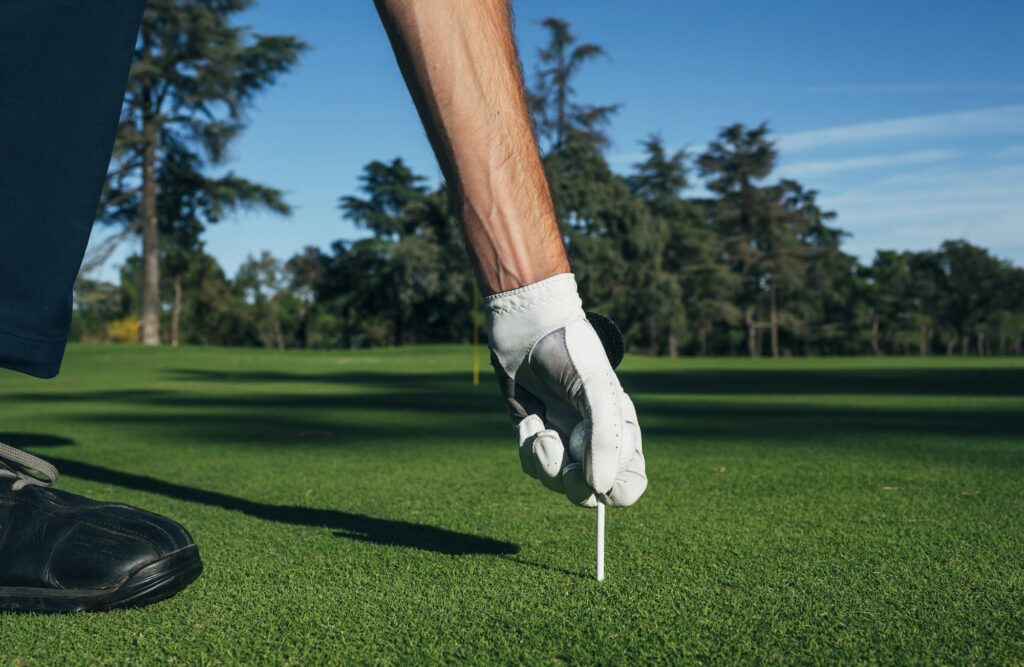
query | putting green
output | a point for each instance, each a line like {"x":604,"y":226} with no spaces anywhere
{"x":368,"y":507}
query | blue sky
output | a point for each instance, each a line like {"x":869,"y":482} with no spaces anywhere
{"x":907,"y":117}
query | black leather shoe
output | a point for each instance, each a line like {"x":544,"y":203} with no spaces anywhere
{"x":62,"y":552}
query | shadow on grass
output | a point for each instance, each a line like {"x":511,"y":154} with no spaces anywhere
{"x":895,"y":381}
{"x":352,"y":526}
{"x":398,"y":417}
{"x":23,"y":440}
{"x":243,"y":409}
{"x":905,"y":381}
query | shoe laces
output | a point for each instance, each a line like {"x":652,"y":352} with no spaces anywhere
{"x":24,"y":465}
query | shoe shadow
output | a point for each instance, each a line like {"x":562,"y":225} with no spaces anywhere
{"x":34,"y":439}
{"x":344,"y":524}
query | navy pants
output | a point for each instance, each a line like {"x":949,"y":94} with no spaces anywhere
{"x":63,"y":70}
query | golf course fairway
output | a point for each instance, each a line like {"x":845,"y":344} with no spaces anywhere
{"x":368,"y":507}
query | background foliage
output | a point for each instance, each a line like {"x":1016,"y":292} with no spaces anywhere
{"x":753,"y":266}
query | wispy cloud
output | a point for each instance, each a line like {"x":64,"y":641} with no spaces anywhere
{"x":919,"y":209}
{"x":945,"y":179}
{"x":1010,"y":152}
{"x":996,"y":120}
{"x":819,"y":167}
{"x":919,"y":88}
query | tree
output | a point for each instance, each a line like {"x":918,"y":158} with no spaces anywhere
{"x":97,"y":304}
{"x":305,"y":273}
{"x":685,"y":247}
{"x":390,"y":191}
{"x":412,"y":273}
{"x":193,"y":77}
{"x":799,"y":248}
{"x":1008,"y":318}
{"x":659,"y":178}
{"x":734,"y":164}
{"x":557,"y":117}
{"x":187,"y":201}
{"x":969,"y":279}
{"x":262,"y":282}
{"x":213,"y":309}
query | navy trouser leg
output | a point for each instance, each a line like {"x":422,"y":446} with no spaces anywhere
{"x":63,"y":70}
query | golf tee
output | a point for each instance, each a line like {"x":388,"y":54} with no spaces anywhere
{"x":600,"y":541}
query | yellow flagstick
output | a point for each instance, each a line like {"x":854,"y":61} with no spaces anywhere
{"x":476,"y":333}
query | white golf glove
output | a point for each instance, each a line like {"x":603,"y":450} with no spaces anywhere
{"x":554,"y":372}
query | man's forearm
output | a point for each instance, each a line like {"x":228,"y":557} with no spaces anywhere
{"x":459,"y":61}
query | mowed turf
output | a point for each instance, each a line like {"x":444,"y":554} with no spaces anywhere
{"x":368,"y":507}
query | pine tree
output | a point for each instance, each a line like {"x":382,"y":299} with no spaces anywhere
{"x":412,"y":275}
{"x":193,"y":77}
{"x":685,"y":245}
{"x":557,"y":117}
{"x":734,"y":164}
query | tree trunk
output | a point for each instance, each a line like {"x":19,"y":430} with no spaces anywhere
{"x":981,"y":343}
{"x":150,"y":295}
{"x":176,"y":311}
{"x":673,"y":341}
{"x":748,"y":320}
{"x":774,"y":322}
{"x":278,"y":334}
{"x":965,"y":344}
{"x":302,"y":335}
{"x":874,"y":335}
{"x":703,"y":335}
{"x":652,"y":335}
{"x":922,"y":346}
{"x":950,"y":346}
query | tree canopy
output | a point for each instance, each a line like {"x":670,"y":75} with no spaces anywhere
{"x":749,"y":265}
{"x":193,"y":76}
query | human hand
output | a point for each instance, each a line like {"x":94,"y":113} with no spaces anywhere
{"x":555,"y":372}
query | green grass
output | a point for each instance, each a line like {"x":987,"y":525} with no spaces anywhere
{"x":367,"y":507}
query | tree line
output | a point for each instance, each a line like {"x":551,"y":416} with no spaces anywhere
{"x":753,"y":267}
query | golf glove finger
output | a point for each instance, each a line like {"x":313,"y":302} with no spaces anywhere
{"x":631,"y":480}
{"x":554,"y":373}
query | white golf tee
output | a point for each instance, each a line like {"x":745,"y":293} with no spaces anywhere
{"x":600,"y":541}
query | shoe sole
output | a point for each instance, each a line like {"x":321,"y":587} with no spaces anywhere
{"x":150,"y":583}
